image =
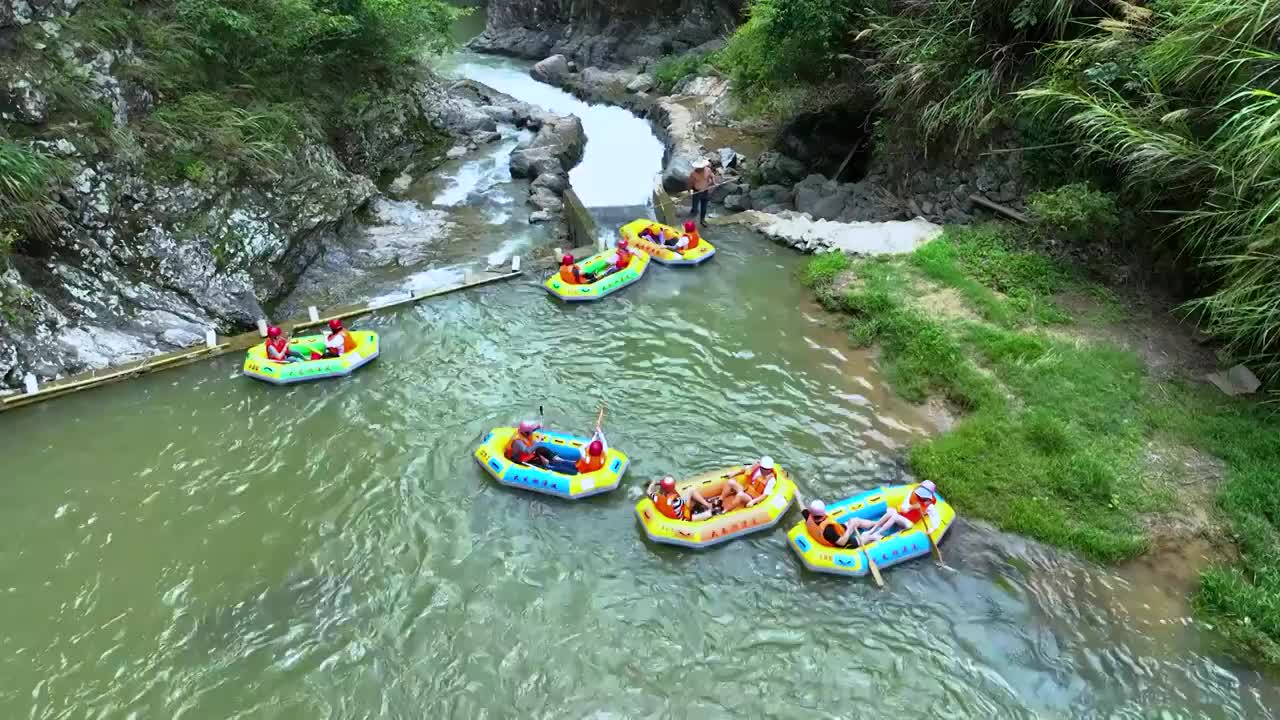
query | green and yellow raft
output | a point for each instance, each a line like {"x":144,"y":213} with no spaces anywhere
{"x":662,"y":254}
{"x":256,"y":364}
{"x":606,"y":285}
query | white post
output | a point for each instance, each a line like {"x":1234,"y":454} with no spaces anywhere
{"x":601,"y":243}
{"x":210,"y":338}
{"x":262,"y":327}
{"x":515,"y":263}
{"x":559,"y":254}
{"x":313,"y":313}
{"x":29,"y":381}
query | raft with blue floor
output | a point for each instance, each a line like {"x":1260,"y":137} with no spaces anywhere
{"x":898,"y":547}
{"x":603,"y":287}
{"x":661,"y":254}
{"x":257,"y":366}
{"x":492,"y":457}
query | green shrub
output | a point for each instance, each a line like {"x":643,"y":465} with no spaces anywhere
{"x":787,"y":42}
{"x":823,"y":269}
{"x":1075,"y":213}
{"x":28,"y":203}
{"x":674,"y":68}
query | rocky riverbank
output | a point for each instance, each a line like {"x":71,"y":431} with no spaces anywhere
{"x":136,"y":262}
{"x":700,"y":114}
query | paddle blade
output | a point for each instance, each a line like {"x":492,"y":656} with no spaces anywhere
{"x":875,"y":572}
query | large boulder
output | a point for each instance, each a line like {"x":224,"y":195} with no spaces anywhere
{"x":641,"y":84}
{"x":771,"y":196}
{"x":830,"y":207}
{"x":552,"y":70}
{"x":555,"y":182}
{"x":737,"y":203}
{"x":774,"y":168}
{"x":544,"y":199}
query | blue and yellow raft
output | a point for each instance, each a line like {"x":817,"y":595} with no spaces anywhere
{"x":492,"y":457}
{"x":606,"y":285}
{"x":662,"y":254}
{"x":256,"y":365}
{"x":898,"y":547}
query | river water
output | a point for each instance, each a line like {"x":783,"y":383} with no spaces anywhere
{"x":197,"y":545}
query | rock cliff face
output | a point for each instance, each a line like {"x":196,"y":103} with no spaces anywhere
{"x":136,"y":263}
{"x":605,"y":33}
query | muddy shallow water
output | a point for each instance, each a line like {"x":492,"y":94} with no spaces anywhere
{"x":198,"y":545}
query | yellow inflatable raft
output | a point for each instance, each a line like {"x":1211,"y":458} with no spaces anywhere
{"x":900,"y":546}
{"x":717,"y":528}
{"x":492,"y":457}
{"x":606,"y":285}
{"x":660,"y":253}
{"x":256,"y":364}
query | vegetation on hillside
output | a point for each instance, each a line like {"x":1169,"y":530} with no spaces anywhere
{"x":1177,"y":100}
{"x":1059,"y":432}
{"x":236,"y":84}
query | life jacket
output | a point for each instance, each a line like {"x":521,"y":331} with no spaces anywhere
{"x":672,"y":505}
{"x":571,"y":274}
{"x":817,"y":530}
{"x":693,"y":239}
{"x":624,"y":259}
{"x":589,"y":463}
{"x":278,"y":349}
{"x":521,"y":457}
{"x":755,"y":483}
{"x":348,"y":342}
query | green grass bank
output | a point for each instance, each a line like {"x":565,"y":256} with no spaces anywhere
{"x":1064,"y":435}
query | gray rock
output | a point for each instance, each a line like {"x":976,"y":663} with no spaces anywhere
{"x":21,"y":100}
{"x":552,"y":70}
{"x":181,"y":337}
{"x":486,"y":136}
{"x":1009,"y":190}
{"x":737,"y":202}
{"x":830,"y":207}
{"x":642,"y":83}
{"x":539,"y":216}
{"x":808,"y":194}
{"x":545,"y":199}
{"x":727,"y":188}
{"x":985,"y":183}
{"x":603,"y":83}
{"x":775,"y":168}
{"x":456,"y":152}
{"x":728,"y":157}
{"x":556,"y":183}
{"x":498,"y":113}
{"x":771,"y":195}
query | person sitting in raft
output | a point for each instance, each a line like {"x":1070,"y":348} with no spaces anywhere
{"x":829,"y":532}
{"x":278,"y":349}
{"x":691,"y":232}
{"x":572,"y":274}
{"x":908,"y":513}
{"x":674,"y":505}
{"x":750,"y":487}
{"x":593,"y":456}
{"x":339,"y":341}
{"x":523,"y":449}
{"x":621,"y":257}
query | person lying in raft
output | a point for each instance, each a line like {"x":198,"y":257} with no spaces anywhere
{"x":572,"y":274}
{"x":590,"y":460}
{"x":750,"y":487}
{"x":278,"y":349}
{"x":339,"y":341}
{"x":908,"y":513}
{"x":671,"y":503}
{"x":827,"y":531}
